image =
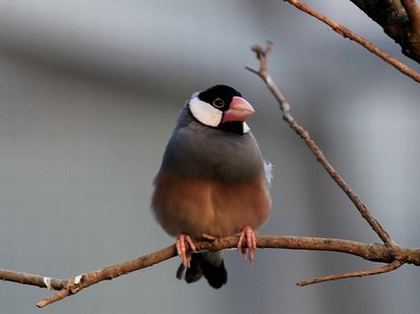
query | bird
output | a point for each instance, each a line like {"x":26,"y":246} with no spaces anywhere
{"x":213,"y":182}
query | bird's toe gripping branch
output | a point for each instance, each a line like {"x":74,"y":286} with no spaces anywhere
{"x":247,"y":243}
{"x":184,"y":247}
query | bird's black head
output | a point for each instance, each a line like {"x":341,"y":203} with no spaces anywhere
{"x":221,"y":107}
{"x":219,"y":96}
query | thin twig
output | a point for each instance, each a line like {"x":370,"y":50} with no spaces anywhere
{"x":347,"y":33}
{"x":263,"y":73}
{"x":376,"y":271}
{"x":368,"y":251}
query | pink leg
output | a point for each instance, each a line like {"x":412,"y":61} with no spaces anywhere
{"x":247,"y":242}
{"x":184,"y":247}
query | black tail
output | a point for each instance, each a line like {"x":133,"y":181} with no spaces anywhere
{"x":207,"y":264}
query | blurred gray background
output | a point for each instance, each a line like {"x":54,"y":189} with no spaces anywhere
{"x":90,"y":91}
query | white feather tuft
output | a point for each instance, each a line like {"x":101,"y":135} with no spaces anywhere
{"x":268,"y":168}
{"x":246,"y":127}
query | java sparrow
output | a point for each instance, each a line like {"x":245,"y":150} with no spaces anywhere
{"x":213,"y":181}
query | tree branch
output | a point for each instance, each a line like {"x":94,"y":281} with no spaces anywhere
{"x":262,"y":56}
{"x":412,"y":9}
{"x":399,"y":20}
{"x":346,"y":33}
{"x":368,"y":251}
{"x":33,"y":280}
{"x":413,"y":12}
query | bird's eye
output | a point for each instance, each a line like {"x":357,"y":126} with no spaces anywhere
{"x":218,"y":103}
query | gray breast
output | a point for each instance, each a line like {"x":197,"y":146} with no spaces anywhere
{"x":195,"y":150}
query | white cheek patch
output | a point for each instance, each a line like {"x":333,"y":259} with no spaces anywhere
{"x":205,"y":113}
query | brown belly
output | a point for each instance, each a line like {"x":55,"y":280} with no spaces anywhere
{"x":197,"y":206}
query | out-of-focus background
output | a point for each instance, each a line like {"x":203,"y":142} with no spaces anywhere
{"x":90,"y":91}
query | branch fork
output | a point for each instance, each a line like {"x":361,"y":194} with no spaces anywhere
{"x":413,"y":11}
{"x":398,"y":259}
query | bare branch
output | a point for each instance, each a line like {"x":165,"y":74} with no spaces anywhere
{"x":368,"y":251}
{"x":412,"y":9}
{"x":346,"y":33}
{"x":83,"y":281}
{"x":376,"y":271}
{"x":33,"y":280}
{"x":413,"y":12}
{"x":314,"y":148}
{"x":399,"y":20}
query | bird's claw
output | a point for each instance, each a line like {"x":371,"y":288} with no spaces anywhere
{"x":247,"y":243}
{"x":184,"y":247}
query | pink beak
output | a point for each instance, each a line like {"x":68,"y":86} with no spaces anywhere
{"x":239,"y":110}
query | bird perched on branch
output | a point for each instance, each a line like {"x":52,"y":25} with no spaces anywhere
{"x":213,"y":181}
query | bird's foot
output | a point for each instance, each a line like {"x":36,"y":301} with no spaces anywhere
{"x":247,"y":243}
{"x":184,"y":247}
